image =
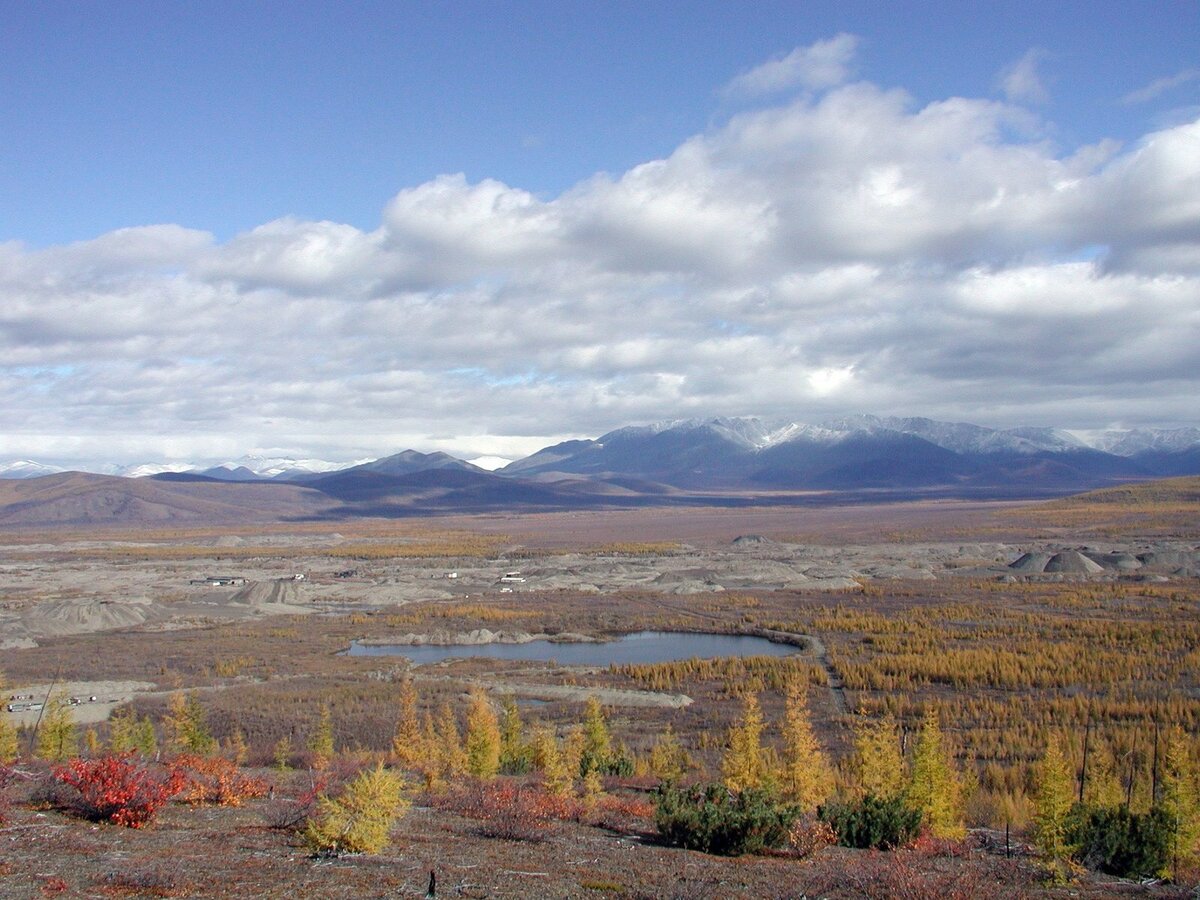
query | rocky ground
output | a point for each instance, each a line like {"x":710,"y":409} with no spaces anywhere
{"x":58,"y":595}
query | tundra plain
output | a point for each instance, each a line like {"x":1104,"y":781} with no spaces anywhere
{"x":1012,"y":619}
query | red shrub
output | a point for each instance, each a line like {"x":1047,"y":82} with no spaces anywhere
{"x":621,"y":813}
{"x":926,"y":846}
{"x":510,"y":810}
{"x":214,"y":779}
{"x":115,"y":789}
{"x":293,"y":813}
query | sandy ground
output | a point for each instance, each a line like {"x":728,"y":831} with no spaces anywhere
{"x":108,"y":694}
{"x":64,"y":593}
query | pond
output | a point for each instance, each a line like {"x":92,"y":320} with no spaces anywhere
{"x":639,"y":647}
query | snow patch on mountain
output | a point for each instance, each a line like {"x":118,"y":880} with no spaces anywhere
{"x":27,"y":468}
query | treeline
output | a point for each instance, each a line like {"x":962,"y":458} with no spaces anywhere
{"x":739,"y":675}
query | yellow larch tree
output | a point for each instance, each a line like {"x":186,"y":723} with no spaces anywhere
{"x":935,"y":788}
{"x":320,"y":741}
{"x":56,"y":737}
{"x":548,"y":757}
{"x":407,"y":744}
{"x":514,"y":752}
{"x":1181,"y":794}
{"x":483,"y":736}
{"x":1053,"y":797}
{"x":806,"y":777}
{"x":668,"y":760}
{"x":746,"y":763}
{"x":878,"y":764}
{"x":451,"y":758}
{"x":597,"y":745}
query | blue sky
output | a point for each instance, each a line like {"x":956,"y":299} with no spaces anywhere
{"x":341,"y":230}
{"x":222,"y":116}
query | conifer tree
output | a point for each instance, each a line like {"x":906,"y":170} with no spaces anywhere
{"x":145,"y":741}
{"x":1054,"y":795}
{"x":1103,"y":786}
{"x":514,"y":754}
{"x":283,"y":754}
{"x":878,"y":764}
{"x":320,"y":741}
{"x":934,"y":788}
{"x":430,"y":762}
{"x":360,"y":819}
{"x":91,"y":742}
{"x":807,"y":777}
{"x":451,"y":758}
{"x":548,"y":757}
{"x":121,"y":727}
{"x":746,"y":763}
{"x":668,"y":760}
{"x":597,"y":743}
{"x":407,"y":745}
{"x":572,"y":751}
{"x":1181,"y":795}
{"x":185,"y":727}
{"x":483,"y":736}
{"x":592,"y":786}
{"x":56,"y":737}
{"x":235,"y":747}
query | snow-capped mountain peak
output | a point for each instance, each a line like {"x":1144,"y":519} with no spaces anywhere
{"x":27,"y":468}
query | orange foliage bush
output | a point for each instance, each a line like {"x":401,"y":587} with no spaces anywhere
{"x":214,"y":779}
{"x":620,"y":813}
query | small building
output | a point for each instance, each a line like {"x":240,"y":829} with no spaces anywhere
{"x":221,"y":580}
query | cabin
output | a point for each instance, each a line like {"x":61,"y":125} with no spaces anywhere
{"x":221,"y":580}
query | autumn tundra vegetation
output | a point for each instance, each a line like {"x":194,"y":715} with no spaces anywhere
{"x":952,"y":737}
{"x":773,"y":787}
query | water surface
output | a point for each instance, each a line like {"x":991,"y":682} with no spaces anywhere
{"x":639,"y":647}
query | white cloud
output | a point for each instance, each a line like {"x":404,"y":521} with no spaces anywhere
{"x":824,"y":64}
{"x":841,"y":252}
{"x":1160,"y":86}
{"x":1022,"y":82}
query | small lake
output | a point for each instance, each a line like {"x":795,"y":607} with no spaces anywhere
{"x":639,"y":647}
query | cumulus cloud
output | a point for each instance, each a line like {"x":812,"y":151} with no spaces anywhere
{"x":843,"y":251}
{"x":1022,"y":82}
{"x":824,"y":64}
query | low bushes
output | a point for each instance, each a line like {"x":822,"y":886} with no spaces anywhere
{"x":215,"y":780}
{"x":1122,"y":843}
{"x":117,"y":789}
{"x":714,"y":819}
{"x":872,"y":823}
{"x":510,"y":810}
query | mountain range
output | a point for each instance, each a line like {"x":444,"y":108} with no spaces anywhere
{"x":692,"y":461}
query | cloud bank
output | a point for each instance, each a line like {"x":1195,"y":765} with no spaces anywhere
{"x":840,"y":250}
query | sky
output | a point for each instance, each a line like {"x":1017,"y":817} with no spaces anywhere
{"x":338,"y":231}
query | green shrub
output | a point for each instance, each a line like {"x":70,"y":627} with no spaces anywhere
{"x":714,"y":819}
{"x":873,"y":822}
{"x":1122,"y":843}
{"x":619,"y":764}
